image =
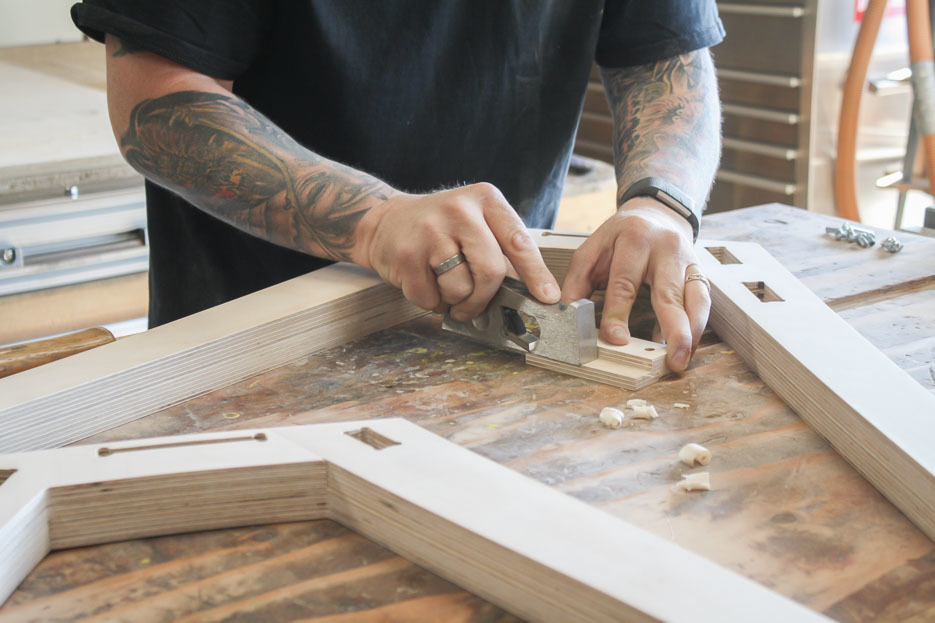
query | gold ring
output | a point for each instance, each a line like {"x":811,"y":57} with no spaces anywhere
{"x":448,"y":264}
{"x":698,"y":277}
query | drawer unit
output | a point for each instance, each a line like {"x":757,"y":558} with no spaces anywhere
{"x":764,"y":68}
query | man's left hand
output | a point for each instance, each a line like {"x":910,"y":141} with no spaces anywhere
{"x":644,"y":242}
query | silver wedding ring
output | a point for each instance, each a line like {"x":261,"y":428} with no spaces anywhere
{"x":698,"y":277}
{"x":448,"y":264}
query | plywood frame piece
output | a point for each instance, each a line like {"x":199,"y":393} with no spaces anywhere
{"x":92,"y":392}
{"x":874,"y":414}
{"x":537,"y":553}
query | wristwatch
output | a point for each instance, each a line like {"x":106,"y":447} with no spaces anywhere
{"x":667,"y":194}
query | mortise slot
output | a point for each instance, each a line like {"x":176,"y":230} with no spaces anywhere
{"x":6,"y":473}
{"x":104,"y":451}
{"x":722,"y":255}
{"x":762,"y":291}
{"x":372,"y":438}
{"x":559,"y":234}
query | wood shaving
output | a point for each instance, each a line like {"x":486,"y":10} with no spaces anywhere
{"x":645,"y":412}
{"x":694,"y":453}
{"x":611,"y":417}
{"x":681,"y":405}
{"x":699,"y":481}
{"x":636,"y":402}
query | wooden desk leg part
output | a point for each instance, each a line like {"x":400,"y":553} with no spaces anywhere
{"x":533,"y":551}
{"x":94,"y":391}
{"x":874,"y":414}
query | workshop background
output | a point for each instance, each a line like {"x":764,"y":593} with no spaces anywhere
{"x":72,"y":222}
{"x":785,"y":508}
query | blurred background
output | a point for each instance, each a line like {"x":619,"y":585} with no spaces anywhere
{"x":72,"y":219}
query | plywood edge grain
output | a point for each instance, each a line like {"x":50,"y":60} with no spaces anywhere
{"x":94,"y":391}
{"x":874,"y":414}
{"x":528,"y":548}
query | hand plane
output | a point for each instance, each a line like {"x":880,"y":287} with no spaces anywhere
{"x":515,"y":320}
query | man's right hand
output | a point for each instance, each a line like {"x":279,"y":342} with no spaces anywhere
{"x":409,"y":234}
{"x":189,"y":133}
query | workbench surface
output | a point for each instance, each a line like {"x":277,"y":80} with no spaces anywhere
{"x":785,"y":509}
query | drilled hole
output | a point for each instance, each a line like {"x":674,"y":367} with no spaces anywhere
{"x":762,"y":291}
{"x":649,"y":348}
{"x":722,"y":255}
{"x":372,"y":438}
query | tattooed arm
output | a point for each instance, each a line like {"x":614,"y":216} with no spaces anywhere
{"x":189,"y":133}
{"x":666,"y":124}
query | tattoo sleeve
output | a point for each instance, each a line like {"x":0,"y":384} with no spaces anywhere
{"x":667,"y":122}
{"x":226,"y":158}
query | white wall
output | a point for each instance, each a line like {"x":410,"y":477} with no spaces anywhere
{"x":31,"y":22}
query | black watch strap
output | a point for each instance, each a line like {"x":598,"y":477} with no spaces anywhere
{"x":666,"y":193}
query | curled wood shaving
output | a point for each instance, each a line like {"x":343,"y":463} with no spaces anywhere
{"x":611,"y":417}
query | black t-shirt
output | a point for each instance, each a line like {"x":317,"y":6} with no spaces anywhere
{"x":423,"y":94}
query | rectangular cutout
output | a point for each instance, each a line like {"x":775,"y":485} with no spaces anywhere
{"x":372,"y":438}
{"x":763,"y":292}
{"x":722,"y":255}
{"x":6,"y":473}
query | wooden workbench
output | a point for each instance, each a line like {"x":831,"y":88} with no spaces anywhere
{"x":785,"y":509}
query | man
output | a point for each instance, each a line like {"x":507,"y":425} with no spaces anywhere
{"x":308,"y":129}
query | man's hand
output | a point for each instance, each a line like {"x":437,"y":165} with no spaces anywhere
{"x":409,"y":234}
{"x":189,"y":133}
{"x":645,"y":242}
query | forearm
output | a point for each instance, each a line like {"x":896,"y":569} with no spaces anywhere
{"x":667,"y":122}
{"x":226,"y":158}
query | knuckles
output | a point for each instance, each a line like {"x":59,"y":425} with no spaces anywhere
{"x":621,"y":287}
{"x":457,"y":291}
{"x":521,"y":241}
{"x":486,"y":272}
{"x":668,"y":295}
{"x":487,"y":193}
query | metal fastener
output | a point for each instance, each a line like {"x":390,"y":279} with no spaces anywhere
{"x":892,"y":245}
{"x":863,"y":237}
{"x":8,"y":255}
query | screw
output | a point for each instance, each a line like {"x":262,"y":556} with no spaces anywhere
{"x":892,"y":245}
{"x":7,"y":256}
{"x":863,"y":237}
{"x":73,"y":191}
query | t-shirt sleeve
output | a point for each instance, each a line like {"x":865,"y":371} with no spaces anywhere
{"x":218,"y":38}
{"x":636,"y":32}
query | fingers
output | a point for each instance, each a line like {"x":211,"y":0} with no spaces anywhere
{"x":518,"y":246}
{"x":417,"y":233}
{"x":487,"y":269}
{"x":697,"y":294}
{"x":454,"y":284}
{"x":590,"y":260}
{"x":627,"y":270}
{"x":668,"y":303}
{"x":637,"y":246}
